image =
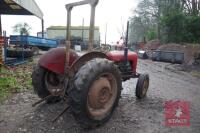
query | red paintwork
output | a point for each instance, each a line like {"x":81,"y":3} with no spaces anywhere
{"x":54,"y":60}
{"x":118,"y":56}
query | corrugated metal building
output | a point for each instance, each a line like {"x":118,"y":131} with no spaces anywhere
{"x":59,"y":32}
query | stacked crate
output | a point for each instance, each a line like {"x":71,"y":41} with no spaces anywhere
{"x":1,"y":50}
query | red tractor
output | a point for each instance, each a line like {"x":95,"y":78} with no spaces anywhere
{"x":91,"y":83}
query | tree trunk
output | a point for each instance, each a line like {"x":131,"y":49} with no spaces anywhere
{"x":158,"y":20}
{"x":194,"y":7}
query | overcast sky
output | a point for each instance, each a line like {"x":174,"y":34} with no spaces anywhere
{"x":112,"y":12}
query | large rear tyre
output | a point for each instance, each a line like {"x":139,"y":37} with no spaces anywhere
{"x":142,"y":86}
{"x":95,"y":92}
{"x":41,"y":80}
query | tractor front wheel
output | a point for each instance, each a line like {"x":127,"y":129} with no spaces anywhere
{"x":95,"y":93}
{"x":45,"y":83}
{"x":142,"y":86}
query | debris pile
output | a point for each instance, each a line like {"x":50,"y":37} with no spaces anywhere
{"x":152,"y":45}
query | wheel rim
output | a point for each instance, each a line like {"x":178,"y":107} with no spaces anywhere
{"x":53,"y":83}
{"x":145,"y":87}
{"x":101,"y":96}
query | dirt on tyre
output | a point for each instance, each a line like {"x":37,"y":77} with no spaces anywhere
{"x":40,"y":78}
{"x":142,"y":86}
{"x":95,"y":92}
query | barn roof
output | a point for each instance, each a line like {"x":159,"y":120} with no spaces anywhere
{"x":20,"y":7}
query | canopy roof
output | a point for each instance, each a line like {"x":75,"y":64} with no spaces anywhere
{"x":20,"y":7}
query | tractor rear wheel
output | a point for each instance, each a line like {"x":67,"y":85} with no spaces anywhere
{"x":43,"y":81}
{"x":142,"y":86}
{"x":95,"y":92}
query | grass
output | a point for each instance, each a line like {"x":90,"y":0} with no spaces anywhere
{"x":14,"y":80}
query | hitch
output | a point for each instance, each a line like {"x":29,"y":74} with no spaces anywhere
{"x":42,"y":100}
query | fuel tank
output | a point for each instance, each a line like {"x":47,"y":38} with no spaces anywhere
{"x":118,"y":56}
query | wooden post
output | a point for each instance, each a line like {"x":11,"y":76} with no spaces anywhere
{"x":1,"y":50}
{"x":42,"y":28}
{"x":0,"y":26}
{"x":83,"y":29}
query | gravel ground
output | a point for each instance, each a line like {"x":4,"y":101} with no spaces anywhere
{"x":132,"y":115}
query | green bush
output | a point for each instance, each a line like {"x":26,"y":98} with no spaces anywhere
{"x":178,"y":28}
{"x":192,"y":27}
{"x":151,"y":34}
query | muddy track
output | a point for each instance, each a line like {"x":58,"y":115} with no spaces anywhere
{"x":132,"y":115}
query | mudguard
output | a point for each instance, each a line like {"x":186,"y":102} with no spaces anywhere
{"x":54,"y":60}
{"x":85,"y":58}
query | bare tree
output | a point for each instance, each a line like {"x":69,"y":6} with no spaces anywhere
{"x":192,"y":7}
{"x":22,"y":28}
{"x":121,"y":30}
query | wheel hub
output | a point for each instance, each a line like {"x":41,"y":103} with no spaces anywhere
{"x":53,"y":83}
{"x":145,"y":87}
{"x":105,"y":95}
{"x":101,"y":96}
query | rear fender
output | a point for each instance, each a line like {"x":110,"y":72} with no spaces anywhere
{"x":54,"y":60}
{"x":85,"y":58}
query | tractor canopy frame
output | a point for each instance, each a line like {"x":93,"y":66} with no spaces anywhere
{"x":69,"y":8}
